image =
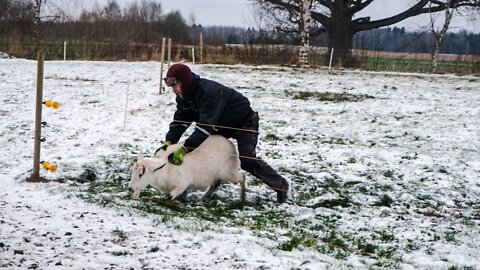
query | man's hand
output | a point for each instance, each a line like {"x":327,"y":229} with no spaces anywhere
{"x":163,"y":147}
{"x":176,"y":158}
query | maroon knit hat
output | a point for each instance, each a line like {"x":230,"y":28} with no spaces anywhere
{"x":183,"y":74}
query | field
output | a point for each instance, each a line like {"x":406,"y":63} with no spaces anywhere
{"x":385,"y":168}
{"x":251,"y":55}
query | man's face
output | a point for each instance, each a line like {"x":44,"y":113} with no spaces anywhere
{"x":175,"y":84}
{"x":177,"y":89}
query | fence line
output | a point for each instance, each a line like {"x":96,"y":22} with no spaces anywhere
{"x":242,"y":54}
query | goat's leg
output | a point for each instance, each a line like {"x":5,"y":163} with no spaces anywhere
{"x":177,"y":191}
{"x":242,"y":191}
{"x":183,"y":197}
{"x":210,"y":191}
{"x":242,"y":187}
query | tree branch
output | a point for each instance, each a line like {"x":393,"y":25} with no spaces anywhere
{"x":358,"y":5}
{"x":321,"y":18}
{"x":417,"y":9}
{"x":413,"y":11}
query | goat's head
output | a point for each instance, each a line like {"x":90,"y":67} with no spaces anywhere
{"x":138,"y":180}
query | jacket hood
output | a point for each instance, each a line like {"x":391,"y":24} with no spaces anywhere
{"x":184,"y":75}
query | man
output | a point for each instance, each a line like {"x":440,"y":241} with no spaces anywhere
{"x":217,"y":109}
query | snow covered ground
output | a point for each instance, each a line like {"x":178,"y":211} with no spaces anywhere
{"x":385,"y":168}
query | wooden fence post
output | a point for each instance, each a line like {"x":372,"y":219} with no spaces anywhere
{"x":331,"y":58}
{"x":169,"y":54}
{"x":162,"y":58}
{"x":201,"y":47}
{"x":38,"y":119}
{"x":193,"y":55}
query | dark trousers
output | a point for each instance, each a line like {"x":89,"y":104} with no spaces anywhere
{"x":247,"y":143}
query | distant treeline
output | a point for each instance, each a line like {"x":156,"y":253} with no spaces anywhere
{"x":399,"y":40}
{"x":144,"y":22}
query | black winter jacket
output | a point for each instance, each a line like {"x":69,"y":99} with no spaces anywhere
{"x":212,"y":106}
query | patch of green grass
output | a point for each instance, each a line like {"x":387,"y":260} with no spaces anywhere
{"x":333,"y":240}
{"x":332,"y":203}
{"x":389,"y":173}
{"x":271,"y":137}
{"x":331,"y":182}
{"x":90,"y":174}
{"x":443,"y":170}
{"x":298,"y":176}
{"x":120,"y":253}
{"x":125,"y":146}
{"x":411,"y":246}
{"x":367,"y":248}
{"x":416,"y":65}
{"x":351,"y":184}
{"x":468,"y":222}
{"x":273,"y":155}
{"x":384,"y":236}
{"x":385,"y":214}
{"x":341,"y":255}
{"x":387,"y":252}
{"x":336,"y":141}
{"x":351,"y":160}
{"x":385,"y":200}
{"x":265,"y":220}
{"x":291,"y":138}
{"x":295,"y":242}
{"x":329,"y":96}
{"x":450,"y":237}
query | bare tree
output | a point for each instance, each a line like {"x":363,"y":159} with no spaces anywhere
{"x":38,"y":7}
{"x":439,"y":35}
{"x":36,"y":21}
{"x":337,"y":18}
{"x":191,"y":19}
{"x":258,"y":19}
{"x":297,"y":22}
{"x":112,"y":11}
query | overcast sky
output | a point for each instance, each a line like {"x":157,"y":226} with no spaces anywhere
{"x":239,"y":12}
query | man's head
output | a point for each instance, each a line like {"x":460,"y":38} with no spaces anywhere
{"x":182,"y":74}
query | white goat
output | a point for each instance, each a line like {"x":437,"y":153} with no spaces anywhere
{"x":214,"y":161}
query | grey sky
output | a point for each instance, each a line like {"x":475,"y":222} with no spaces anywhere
{"x":239,"y":12}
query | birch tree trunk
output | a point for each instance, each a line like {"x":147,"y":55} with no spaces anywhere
{"x":440,"y":35}
{"x":305,"y":18}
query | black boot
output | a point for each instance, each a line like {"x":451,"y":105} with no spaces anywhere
{"x":282,"y":194}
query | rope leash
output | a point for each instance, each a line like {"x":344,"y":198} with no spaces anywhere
{"x":191,"y":149}
{"x":216,"y":126}
{"x":224,"y":127}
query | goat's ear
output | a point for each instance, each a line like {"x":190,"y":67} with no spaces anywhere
{"x":140,"y":156}
{"x":141,"y":169}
